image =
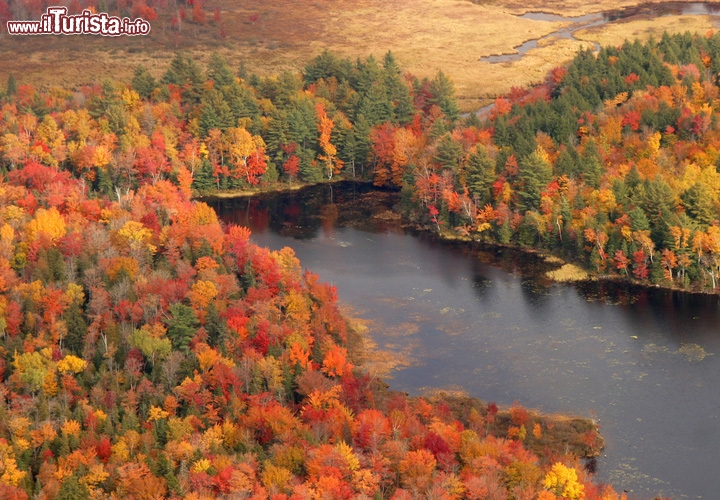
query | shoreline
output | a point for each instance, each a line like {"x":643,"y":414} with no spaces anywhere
{"x":577,"y":273}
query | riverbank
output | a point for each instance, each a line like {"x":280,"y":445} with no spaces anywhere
{"x":558,"y":269}
{"x":565,"y":271}
{"x":540,"y":432}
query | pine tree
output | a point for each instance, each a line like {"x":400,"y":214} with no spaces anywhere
{"x":442,"y":91}
{"x":375,"y":105}
{"x":215,"y":113}
{"x":11,"y":86}
{"x":219,"y":71}
{"x":448,"y":153}
{"x":567,"y":162}
{"x":243,"y":104}
{"x":368,"y":73}
{"x":699,"y":204}
{"x":591,"y":168}
{"x":186,"y":74}
{"x":310,"y":171}
{"x":534,"y":174}
{"x":182,"y":326}
{"x":481,"y":175}
{"x":397,"y":91}
{"x":143,"y":82}
{"x":72,"y":489}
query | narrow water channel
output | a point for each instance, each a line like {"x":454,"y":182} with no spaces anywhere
{"x":600,"y":19}
{"x":644,"y":363}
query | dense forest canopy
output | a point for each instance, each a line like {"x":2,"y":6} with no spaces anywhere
{"x":147,"y":351}
{"x":612,"y":162}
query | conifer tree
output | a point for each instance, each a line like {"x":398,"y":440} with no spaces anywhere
{"x":481,"y":175}
{"x":442,"y":91}
{"x":215,"y":113}
{"x":11,"y":86}
{"x":143,"y":82}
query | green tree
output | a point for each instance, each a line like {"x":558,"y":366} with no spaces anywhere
{"x":143,"y":82}
{"x":215,"y":113}
{"x":448,"y":153}
{"x":72,"y":489}
{"x":699,"y":204}
{"x":397,"y":91}
{"x":481,"y":175}
{"x":182,"y":326}
{"x":442,"y":92}
{"x":534,"y":174}
{"x":219,"y":71}
{"x":590,"y":165}
{"x":11,"y":85}
{"x":186,"y":74}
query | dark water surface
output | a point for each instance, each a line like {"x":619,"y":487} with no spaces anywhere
{"x":644,"y":363}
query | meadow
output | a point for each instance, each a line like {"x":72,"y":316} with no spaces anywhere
{"x":271,"y":37}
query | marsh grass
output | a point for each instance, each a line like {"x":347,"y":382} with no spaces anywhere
{"x":271,"y":37}
{"x":568,"y":273}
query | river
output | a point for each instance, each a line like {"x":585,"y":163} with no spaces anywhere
{"x":600,"y":19}
{"x":643,"y":363}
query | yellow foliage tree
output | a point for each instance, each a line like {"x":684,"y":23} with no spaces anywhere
{"x":49,"y":222}
{"x":71,"y":364}
{"x":563,"y":481}
{"x":135,"y":234}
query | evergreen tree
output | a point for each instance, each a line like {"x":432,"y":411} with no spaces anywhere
{"x":243,"y":104}
{"x":214,"y":326}
{"x":698,"y":204}
{"x":534,"y":174}
{"x":632,"y":179}
{"x":182,"y":326}
{"x":72,"y":489}
{"x":219,"y":71}
{"x":590,"y":165}
{"x":361,"y":147}
{"x":367,"y":74}
{"x":302,"y":123}
{"x":375,"y":105}
{"x":11,"y":86}
{"x":186,"y":74}
{"x":481,"y":176}
{"x":215,"y":113}
{"x":310,"y":171}
{"x":567,"y":162}
{"x":76,"y":329}
{"x":442,"y":92}
{"x":328,"y":65}
{"x":397,"y":91}
{"x":203,"y":179}
{"x":448,"y":153}
{"x":143,"y":82}
{"x":638,"y":220}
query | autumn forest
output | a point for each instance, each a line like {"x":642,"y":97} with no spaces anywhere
{"x":149,"y":351}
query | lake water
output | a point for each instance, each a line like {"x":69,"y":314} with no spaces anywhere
{"x":644,"y":363}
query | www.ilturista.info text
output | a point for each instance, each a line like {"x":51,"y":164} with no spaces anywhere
{"x":56,"y":21}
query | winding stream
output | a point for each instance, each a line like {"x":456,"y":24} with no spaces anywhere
{"x":599,"y":19}
{"x":644,"y":363}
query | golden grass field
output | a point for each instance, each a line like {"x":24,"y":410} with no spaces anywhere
{"x":273,"y":36}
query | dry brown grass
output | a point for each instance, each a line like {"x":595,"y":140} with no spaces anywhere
{"x":571,"y":7}
{"x":617,"y":33}
{"x":425,"y":35}
{"x":568,"y":273}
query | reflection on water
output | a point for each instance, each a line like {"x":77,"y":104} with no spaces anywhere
{"x":643,"y":361}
